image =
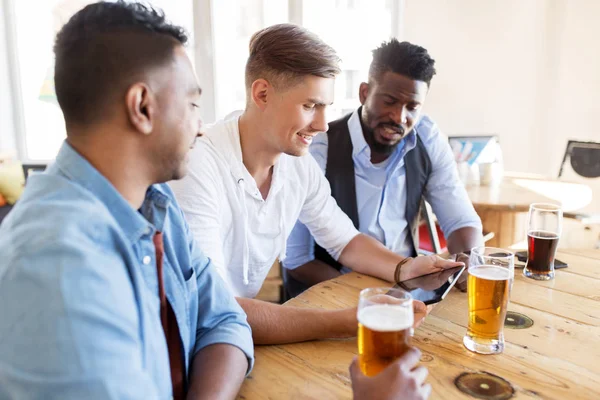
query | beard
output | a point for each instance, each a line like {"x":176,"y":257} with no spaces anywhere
{"x":170,"y":168}
{"x":378,"y":147}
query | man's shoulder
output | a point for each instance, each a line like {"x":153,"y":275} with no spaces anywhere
{"x":222,"y":133}
{"x":426,"y":128}
{"x":214,"y":149}
{"x":430,"y":135}
{"x":54,"y":209}
{"x":320,"y":143}
{"x":339,"y":124}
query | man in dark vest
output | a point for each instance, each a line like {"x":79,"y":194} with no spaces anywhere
{"x":381,"y":161}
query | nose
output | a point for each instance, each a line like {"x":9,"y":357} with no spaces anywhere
{"x":199,"y":133}
{"x":400,"y":116}
{"x":319,"y":123}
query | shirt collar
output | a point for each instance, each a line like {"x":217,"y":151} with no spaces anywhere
{"x":360,"y":148}
{"x":134,"y":225}
{"x":359,"y":144}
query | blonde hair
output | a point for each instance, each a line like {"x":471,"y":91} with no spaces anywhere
{"x":283,"y":54}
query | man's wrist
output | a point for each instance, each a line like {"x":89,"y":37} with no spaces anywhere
{"x":398,"y":275}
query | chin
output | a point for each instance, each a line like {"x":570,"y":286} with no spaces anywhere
{"x":384,"y":142}
{"x":176,"y":173}
{"x":297,"y":152}
{"x":180,"y":173}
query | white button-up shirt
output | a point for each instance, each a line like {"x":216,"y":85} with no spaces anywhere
{"x":242,"y":233}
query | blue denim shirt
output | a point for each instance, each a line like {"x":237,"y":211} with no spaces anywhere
{"x":79,"y":306}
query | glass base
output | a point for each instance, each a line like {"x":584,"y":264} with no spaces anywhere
{"x":538,"y":277}
{"x":484,"y":346}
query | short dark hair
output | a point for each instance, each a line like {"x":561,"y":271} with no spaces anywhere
{"x":285,"y":53}
{"x":104,"y":48}
{"x":402,"y":58}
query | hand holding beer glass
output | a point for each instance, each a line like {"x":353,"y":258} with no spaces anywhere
{"x":490,"y":274}
{"x":385,"y":320}
{"x":545,"y":225}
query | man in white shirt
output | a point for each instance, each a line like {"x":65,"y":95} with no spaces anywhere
{"x":251,"y":178}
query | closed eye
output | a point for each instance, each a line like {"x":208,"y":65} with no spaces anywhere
{"x":389,"y":100}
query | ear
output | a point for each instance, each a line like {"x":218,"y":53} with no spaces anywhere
{"x":141,"y":107}
{"x":259,"y":93}
{"x":363,"y":92}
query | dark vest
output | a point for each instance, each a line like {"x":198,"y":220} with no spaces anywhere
{"x":340,"y":174}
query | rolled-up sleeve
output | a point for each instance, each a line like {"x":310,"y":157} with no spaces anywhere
{"x":220,"y":317}
{"x":445,"y":191}
{"x":300,"y":247}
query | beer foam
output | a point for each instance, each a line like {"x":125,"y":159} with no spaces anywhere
{"x":490,"y":272}
{"x":386,"y":317}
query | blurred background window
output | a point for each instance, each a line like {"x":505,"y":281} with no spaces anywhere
{"x":39,"y":121}
{"x":521,"y":71}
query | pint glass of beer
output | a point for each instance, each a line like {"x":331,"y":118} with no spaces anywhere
{"x":545,"y":225}
{"x":491,"y":271}
{"x":385,"y":320}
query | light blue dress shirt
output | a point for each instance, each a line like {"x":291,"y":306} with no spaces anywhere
{"x":381,"y":191}
{"x":79,"y":306}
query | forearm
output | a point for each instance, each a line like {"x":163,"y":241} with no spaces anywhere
{"x":314,"y":272}
{"x":217,"y":372}
{"x":367,"y":256}
{"x":276,"y":324}
{"x":464,"y":239}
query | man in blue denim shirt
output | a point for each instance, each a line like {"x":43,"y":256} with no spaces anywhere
{"x":79,"y":303}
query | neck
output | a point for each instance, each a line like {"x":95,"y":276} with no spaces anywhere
{"x":117,"y":161}
{"x":377,"y":158}
{"x":257,"y":156}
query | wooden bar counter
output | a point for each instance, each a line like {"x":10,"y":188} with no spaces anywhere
{"x":503,"y":207}
{"x":556,"y":358}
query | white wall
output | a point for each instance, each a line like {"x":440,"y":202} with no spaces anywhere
{"x":576,"y":100}
{"x":7,"y":126}
{"x":525,"y":70}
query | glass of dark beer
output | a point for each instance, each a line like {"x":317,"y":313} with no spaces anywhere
{"x":545,"y":225}
{"x":385,"y":320}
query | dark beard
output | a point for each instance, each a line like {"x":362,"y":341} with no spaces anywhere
{"x":381,"y":148}
{"x":376,"y":147}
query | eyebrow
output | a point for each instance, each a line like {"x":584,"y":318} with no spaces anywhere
{"x":397,"y":99}
{"x":318,"y":102}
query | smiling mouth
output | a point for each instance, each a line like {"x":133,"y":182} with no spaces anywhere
{"x":307,"y":139}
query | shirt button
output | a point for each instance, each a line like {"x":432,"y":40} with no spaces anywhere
{"x":146,"y":260}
